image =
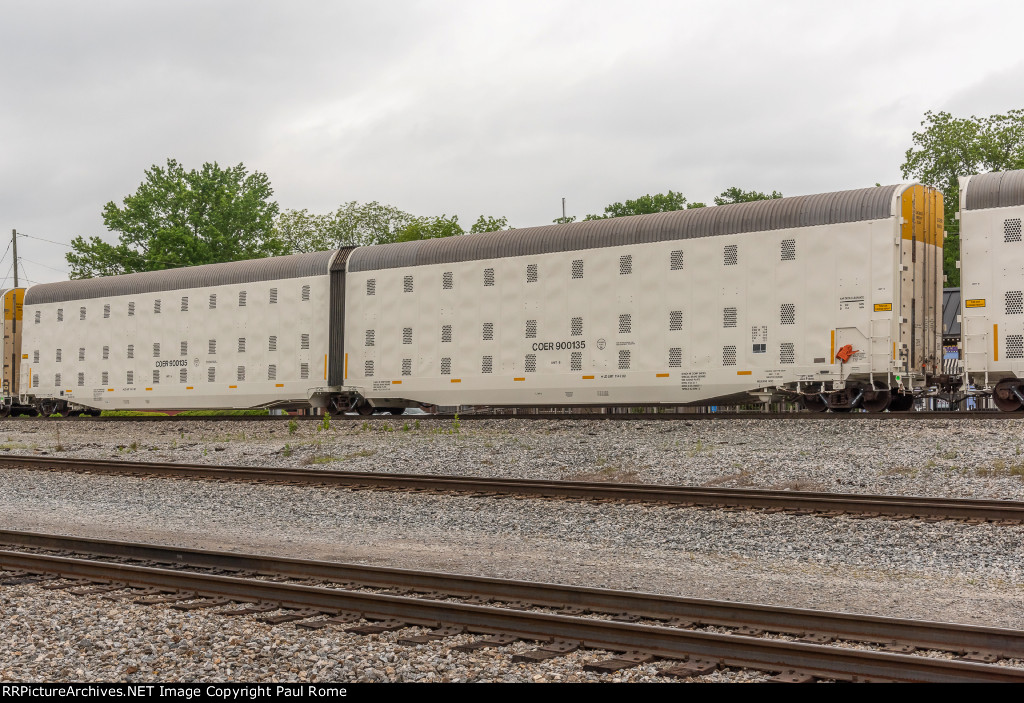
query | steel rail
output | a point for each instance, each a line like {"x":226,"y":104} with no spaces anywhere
{"x":1005,"y":643}
{"x":731,"y":650}
{"x":882,"y":505}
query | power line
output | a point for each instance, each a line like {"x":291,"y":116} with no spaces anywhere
{"x":7,"y":250}
{"x":7,"y":276}
{"x":146,"y":256}
{"x":43,"y":239}
{"x":36,"y":263}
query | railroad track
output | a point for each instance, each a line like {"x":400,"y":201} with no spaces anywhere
{"x":692,"y":636}
{"x":972,"y":510}
{"x":617,"y":417}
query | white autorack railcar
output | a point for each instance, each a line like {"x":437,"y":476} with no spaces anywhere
{"x":834,"y":299}
{"x":830,"y":299}
{"x":992,"y":286}
{"x":233,"y":335}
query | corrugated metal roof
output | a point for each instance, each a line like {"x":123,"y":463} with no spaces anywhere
{"x":763,"y":215}
{"x":950,"y":312}
{"x":272,"y":269}
{"x":1001,"y":189}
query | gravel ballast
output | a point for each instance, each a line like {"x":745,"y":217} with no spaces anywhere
{"x":938,"y":571}
{"x":953,"y":458}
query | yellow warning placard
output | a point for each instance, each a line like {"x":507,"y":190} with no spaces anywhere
{"x":882,"y":307}
{"x":975,"y":303}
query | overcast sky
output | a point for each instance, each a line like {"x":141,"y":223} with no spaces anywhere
{"x":482,"y":107}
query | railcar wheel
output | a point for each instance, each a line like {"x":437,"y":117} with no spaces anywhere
{"x":1004,"y":397}
{"x":814,"y":404}
{"x":902,"y":403}
{"x":877,"y":401}
{"x":48,"y":408}
{"x":364,"y":408}
{"x":396,"y":411}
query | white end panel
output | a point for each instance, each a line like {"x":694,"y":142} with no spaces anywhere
{"x":992,"y":292}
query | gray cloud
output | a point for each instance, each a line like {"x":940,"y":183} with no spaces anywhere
{"x":468,"y":108}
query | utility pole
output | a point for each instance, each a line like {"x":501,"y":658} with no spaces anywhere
{"x":9,"y":383}
{"x":563,"y":214}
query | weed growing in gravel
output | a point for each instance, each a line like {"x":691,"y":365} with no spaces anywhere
{"x":455,"y":427}
{"x":1000,"y":468}
{"x":360,"y":454}
{"x":366,"y":425}
{"x":12,"y":445}
{"x":58,"y":447}
{"x":416,"y":424}
{"x":293,"y":427}
{"x":287,"y":450}
{"x":698,"y":449}
{"x":229,"y":437}
{"x":325,"y":424}
{"x":405,"y":427}
{"x":319,"y":459}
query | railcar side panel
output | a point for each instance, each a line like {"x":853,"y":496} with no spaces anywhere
{"x":992,"y":294}
{"x":666,"y":322}
{"x":237,"y":345}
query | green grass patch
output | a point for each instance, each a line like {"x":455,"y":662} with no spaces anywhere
{"x":131,"y":413}
{"x":208,"y":413}
{"x":1000,"y":468}
{"x":361,"y":453}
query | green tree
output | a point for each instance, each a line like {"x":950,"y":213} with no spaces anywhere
{"x":302,"y":231}
{"x":183,"y":218}
{"x":352,"y":224}
{"x":567,"y":220}
{"x":643,"y":205}
{"x":489,"y":224}
{"x":737,"y":195}
{"x":431,"y":228}
{"x":949,"y":147}
{"x":369,"y":223}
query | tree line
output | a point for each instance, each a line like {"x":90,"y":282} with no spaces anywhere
{"x":214,"y":214}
